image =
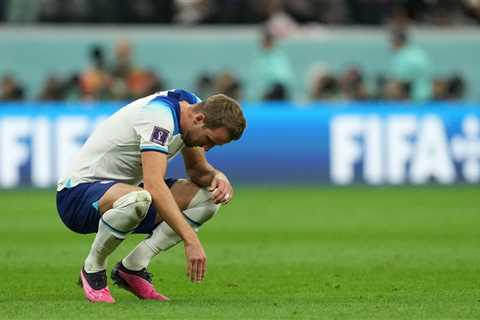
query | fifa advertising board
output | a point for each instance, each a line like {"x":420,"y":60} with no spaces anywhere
{"x":340,"y":144}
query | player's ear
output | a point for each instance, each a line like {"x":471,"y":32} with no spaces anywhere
{"x":199,"y":118}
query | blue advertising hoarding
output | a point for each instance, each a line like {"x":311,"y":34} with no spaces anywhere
{"x":338,"y":144}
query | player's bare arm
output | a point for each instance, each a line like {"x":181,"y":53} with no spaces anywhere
{"x":154,"y":167}
{"x":204,"y":174}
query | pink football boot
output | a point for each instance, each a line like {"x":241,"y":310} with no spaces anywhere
{"x":137,"y":282}
{"x":95,"y":286}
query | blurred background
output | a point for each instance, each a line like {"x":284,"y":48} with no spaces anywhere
{"x":356,"y":178}
{"x":358,"y":91}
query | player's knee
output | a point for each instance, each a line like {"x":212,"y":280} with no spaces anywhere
{"x":136,"y":203}
{"x":201,"y":197}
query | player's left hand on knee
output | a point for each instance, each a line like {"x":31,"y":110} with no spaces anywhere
{"x":221,"y":189}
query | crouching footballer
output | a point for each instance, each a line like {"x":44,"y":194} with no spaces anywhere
{"x":116,"y":185}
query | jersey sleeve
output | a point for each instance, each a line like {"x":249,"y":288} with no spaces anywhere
{"x":154,"y":126}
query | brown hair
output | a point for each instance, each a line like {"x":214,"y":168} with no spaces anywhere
{"x":222,"y":111}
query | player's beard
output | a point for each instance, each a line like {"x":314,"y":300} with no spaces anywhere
{"x":186,"y":138}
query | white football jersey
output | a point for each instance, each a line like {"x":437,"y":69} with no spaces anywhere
{"x":113,"y":151}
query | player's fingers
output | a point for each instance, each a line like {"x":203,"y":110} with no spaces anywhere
{"x":201,"y":268}
{"x":227,"y":198}
{"x":192,"y":275}
{"x":213,"y":185}
{"x":228,"y":195}
{"x":214,"y":194}
{"x":222,"y":191}
{"x":192,"y":270}
{"x":199,"y":272}
{"x":218,"y":195}
{"x":222,"y":198}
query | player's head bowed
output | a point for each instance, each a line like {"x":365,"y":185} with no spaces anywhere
{"x":222,"y":111}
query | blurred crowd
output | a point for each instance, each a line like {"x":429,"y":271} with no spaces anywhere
{"x":102,"y":80}
{"x":409,"y":77}
{"x":370,"y":12}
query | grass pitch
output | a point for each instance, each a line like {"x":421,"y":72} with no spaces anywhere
{"x":290,"y":253}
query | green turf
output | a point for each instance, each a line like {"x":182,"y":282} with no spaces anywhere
{"x":296,"y":253}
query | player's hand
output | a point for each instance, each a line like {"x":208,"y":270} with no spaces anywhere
{"x":196,"y":261}
{"x":221,"y":189}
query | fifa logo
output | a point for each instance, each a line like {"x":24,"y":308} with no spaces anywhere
{"x":404,"y":148}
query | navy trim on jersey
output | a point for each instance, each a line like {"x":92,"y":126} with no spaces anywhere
{"x":183,"y":95}
{"x":153,"y":149}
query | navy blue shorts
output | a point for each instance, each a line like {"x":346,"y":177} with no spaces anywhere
{"x":78,"y":207}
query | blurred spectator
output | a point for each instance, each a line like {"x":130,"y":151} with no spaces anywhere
{"x":398,"y":18}
{"x":120,"y":71}
{"x":472,"y":9}
{"x":123,"y":64}
{"x":21,"y":11}
{"x":349,"y":85}
{"x":234,"y":11}
{"x":325,"y":11}
{"x":353,"y":86}
{"x":10,"y":89}
{"x":53,"y":89}
{"x":191,"y":11}
{"x":369,"y":11}
{"x":72,"y":87}
{"x":279,"y":23}
{"x":413,"y":10}
{"x":271,"y":70}
{"x":95,"y":81}
{"x":455,"y":87}
{"x":65,"y":11}
{"x":380,"y":85}
{"x":441,"y":12}
{"x":105,"y":11}
{"x":226,"y":83}
{"x":439,"y":89}
{"x":324,"y":85}
{"x":145,"y":11}
{"x":396,"y":90}
{"x":143,"y":82}
{"x":129,"y":81}
{"x":450,"y":88}
{"x":276,"y":92}
{"x":204,"y":85}
{"x":50,"y":11}
{"x":411,"y":64}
